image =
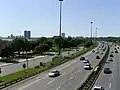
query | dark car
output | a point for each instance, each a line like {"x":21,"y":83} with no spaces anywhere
{"x":116,"y":51}
{"x":97,"y":57}
{"x":111,"y":55}
{"x":82,"y":58}
{"x":107,"y":71}
{"x":118,"y":47}
{"x":93,"y":51}
{"x":112,"y":52}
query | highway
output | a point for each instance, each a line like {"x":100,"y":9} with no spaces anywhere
{"x":72,"y":76}
{"x":111,"y":81}
{"x":31,"y":63}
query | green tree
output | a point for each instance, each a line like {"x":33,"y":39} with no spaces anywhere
{"x":41,"y":48}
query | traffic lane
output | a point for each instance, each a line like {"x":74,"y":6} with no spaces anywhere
{"x":105,"y":80}
{"x":54,"y":84}
{"x":116,"y":74}
{"x":16,"y":67}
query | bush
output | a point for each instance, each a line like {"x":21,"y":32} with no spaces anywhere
{"x":66,"y":57}
{"x":37,"y":66}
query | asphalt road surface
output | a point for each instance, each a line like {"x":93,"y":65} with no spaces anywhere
{"x":72,"y":76}
{"x":111,"y":81}
{"x":31,"y":63}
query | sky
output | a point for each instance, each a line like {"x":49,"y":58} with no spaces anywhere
{"x":41,"y":17}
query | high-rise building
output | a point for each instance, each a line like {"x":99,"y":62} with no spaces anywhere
{"x":63,"y":35}
{"x":27,"y":34}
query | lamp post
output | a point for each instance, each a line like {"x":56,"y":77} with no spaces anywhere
{"x":91,"y":29}
{"x":96,"y":33}
{"x":60,"y":26}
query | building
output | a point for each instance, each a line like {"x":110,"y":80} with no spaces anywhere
{"x":63,"y":35}
{"x":27,"y":34}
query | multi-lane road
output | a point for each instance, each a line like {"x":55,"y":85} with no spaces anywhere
{"x":111,"y":81}
{"x":31,"y":63}
{"x":72,"y":76}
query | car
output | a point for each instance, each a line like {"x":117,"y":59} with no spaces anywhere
{"x":93,"y":51}
{"x":118,"y":47}
{"x":82,"y":58}
{"x":54,"y":73}
{"x":97,"y":52}
{"x":86,"y":61}
{"x":97,"y":57}
{"x":87,"y":64}
{"x":86,"y":67}
{"x":107,"y":71}
{"x":112,"y":52}
{"x":98,"y":88}
{"x":116,"y":51}
{"x":110,"y":59}
{"x":111,"y":55}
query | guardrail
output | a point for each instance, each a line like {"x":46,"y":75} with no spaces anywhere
{"x":91,"y":79}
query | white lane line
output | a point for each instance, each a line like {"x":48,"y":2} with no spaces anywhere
{"x":71,"y":78}
{"x":45,"y":77}
{"x":32,"y":83}
{"x":58,"y":87}
{"x":112,"y":75}
{"x":51,"y":81}
{"x":67,"y":65}
{"x":110,"y":85}
{"x":113,"y":69}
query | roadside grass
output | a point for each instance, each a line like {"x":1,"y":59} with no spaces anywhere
{"x":38,"y":69}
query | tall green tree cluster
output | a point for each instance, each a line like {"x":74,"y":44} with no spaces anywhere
{"x":43,"y":44}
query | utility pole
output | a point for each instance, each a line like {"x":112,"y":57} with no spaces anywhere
{"x":60,"y":26}
{"x":91,"y":29}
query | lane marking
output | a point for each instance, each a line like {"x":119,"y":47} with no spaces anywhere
{"x":112,"y":75}
{"x":58,"y":87}
{"x":32,"y":83}
{"x":71,"y":78}
{"x":110,"y":85}
{"x":51,"y":81}
{"x":45,"y":76}
{"x":113,"y":69}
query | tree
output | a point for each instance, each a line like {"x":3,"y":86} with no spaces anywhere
{"x":42,"y":40}
{"x":57,"y":41}
{"x":41,"y":48}
{"x":18,"y":44}
{"x":88,"y":44}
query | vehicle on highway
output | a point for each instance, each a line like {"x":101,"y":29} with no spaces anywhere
{"x":98,"y":88}
{"x":110,"y":59}
{"x":118,"y":47}
{"x":97,"y":52}
{"x":86,"y":61}
{"x":82,"y":58}
{"x":54,"y":73}
{"x":107,"y":71}
{"x":97,"y":57}
{"x":112,"y":52}
{"x":93,"y":51}
{"x":87,"y":67}
{"x":111,"y":55}
{"x":116,"y":51}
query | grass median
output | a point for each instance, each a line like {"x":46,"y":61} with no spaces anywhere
{"x":38,"y":69}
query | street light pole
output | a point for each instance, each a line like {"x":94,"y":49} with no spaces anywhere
{"x":91,"y":29}
{"x":96,"y":33}
{"x":60,"y":25}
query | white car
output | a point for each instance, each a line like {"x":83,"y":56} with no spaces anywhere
{"x":87,"y":67}
{"x":54,"y":73}
{"x":98,"y":88}
{"x":86,"y":61}
{"x":87,"y":64}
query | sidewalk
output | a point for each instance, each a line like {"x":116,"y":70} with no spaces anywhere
{"x":21,"y":60}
